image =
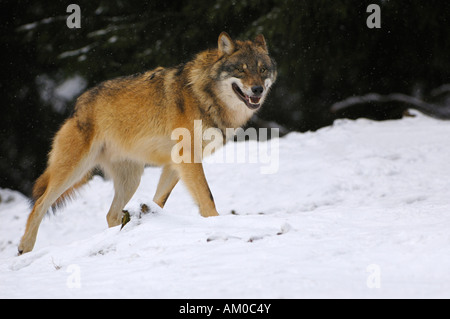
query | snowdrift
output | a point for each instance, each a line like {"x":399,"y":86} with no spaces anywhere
{"x":356,"y":210}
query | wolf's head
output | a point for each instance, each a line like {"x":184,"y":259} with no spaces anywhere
{"x":245,"y":72}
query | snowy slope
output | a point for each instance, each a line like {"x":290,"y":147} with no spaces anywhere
{"x":359,"y":209}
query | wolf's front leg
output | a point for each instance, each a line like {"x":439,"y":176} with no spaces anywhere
{"x":169,"y":178}
{"x":194,"y":178}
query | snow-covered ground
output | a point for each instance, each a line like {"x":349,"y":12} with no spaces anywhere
{"x":360,"y":209}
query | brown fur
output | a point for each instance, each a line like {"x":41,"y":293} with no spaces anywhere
{"x":123,"y":124}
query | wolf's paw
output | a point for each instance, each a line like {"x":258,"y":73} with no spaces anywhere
{"x":211,"y":213}
{"x":24,"y":248}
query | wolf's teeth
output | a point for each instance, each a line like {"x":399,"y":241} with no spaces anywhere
{"x":255,"y":100}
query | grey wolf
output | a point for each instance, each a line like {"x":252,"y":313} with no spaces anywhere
{"x":125,"y":123}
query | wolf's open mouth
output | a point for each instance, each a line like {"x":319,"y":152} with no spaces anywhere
{"x":252,"y":102}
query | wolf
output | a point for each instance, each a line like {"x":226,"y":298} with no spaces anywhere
{"x":123,"y":124}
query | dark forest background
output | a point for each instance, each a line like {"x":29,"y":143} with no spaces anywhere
{"x":324,"y":50}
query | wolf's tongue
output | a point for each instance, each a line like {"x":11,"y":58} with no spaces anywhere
{"x":255,"y":99}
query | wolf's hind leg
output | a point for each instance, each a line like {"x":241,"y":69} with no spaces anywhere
{"x":169,"y":178}
{"x":126,"y":176}
{"x":71,"y":159}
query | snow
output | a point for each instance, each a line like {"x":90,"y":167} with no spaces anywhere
{"x":76,"y":52}
{"x":33,"y":25}
{"x":58,"y":94}
{"x":70,"y":88}
{"x":356,"y":210}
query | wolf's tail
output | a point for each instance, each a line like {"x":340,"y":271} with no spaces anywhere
{"x":41,"y":185}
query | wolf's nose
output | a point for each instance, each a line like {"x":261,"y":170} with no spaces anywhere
{"x":257,"y":90}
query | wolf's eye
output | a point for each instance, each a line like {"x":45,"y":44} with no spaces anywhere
{"x":263,"y":70}
{"x":240,"y":69}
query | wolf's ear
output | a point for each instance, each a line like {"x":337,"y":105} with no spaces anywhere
{"x":226,"y":45}
{"x":261,"y":42}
